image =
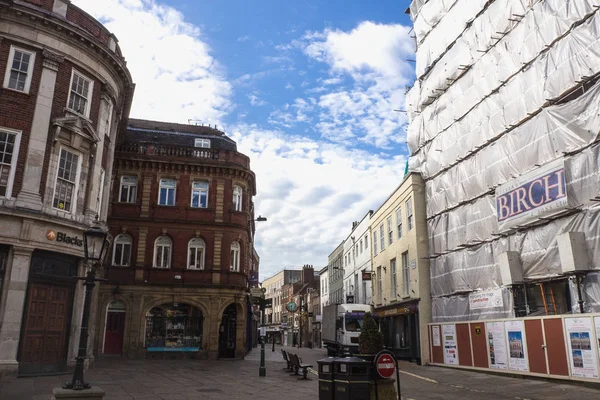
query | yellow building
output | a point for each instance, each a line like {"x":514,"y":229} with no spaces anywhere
{"x":401,"y":291}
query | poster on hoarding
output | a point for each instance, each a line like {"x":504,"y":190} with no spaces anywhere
{"x":450,"y":346}
{"x":496,"y":344}
{"x":517,"y":350}
{"x":582,"y":350}
{"x":486,"y":299}
{"x":437,"y":340}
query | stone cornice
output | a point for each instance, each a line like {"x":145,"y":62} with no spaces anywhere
{"x":52,"y":60}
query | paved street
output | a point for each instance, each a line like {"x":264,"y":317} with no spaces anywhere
{"x":182,"y":380}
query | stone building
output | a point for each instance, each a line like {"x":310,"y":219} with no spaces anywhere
{"x":65,"y":94}
{"x":276,"y":326}
{"x":182,"y":218}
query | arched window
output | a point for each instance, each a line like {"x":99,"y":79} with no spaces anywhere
{"x":162,"y":252}
{"x":235,"y":257}
{"x":196,"y":254}
{"x":237,"y":198}
{"x":122,"y":250}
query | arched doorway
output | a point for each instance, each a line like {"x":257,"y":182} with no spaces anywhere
{"x":174,"y":327}
{"x":115,"y":328}
{"x":227,"y":336}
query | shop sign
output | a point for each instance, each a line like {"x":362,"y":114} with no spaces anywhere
{"x":366,"y":276}
{"x":486,"y":299}
{"x":253,"y":279}
{"x":535,"y":194}
{"x":62,"y":237}
{"x":397,"y":311}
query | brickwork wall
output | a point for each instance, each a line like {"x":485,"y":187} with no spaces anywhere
{"x":85,"y":21}
{"x":45,"y":4}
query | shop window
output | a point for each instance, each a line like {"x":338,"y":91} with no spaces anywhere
{"x":174,"y":327}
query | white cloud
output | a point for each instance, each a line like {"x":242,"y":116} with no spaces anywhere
{"x":244,"y":38}
{"x":255,"y":100}
{"x":165,"y":54}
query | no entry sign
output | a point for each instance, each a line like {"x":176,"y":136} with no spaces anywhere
{"x":386,"y":366}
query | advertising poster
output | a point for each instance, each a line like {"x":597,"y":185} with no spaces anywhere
{"x":450,"y":346}
{"x":517,"y":352}
{"x":437,"y":341}
{"x":486,"y":299}
{"x":496,"y":344}
{"x":582,"y":352}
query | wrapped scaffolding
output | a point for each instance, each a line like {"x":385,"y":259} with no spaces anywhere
{"x":505,"y":89}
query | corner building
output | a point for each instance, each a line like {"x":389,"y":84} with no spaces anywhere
{"x":182,"y":218}
{"x":65,"y":91}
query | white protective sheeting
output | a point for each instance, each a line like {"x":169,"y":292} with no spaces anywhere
{"x":456,"y":308}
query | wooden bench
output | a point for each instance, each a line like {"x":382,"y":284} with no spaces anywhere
{"x":297,"y":364}
{"x":286,"y":358}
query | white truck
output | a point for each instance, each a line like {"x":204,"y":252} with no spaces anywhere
{"x":340,"y":327}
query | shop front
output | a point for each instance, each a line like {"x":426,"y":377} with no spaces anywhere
{"x":399,"y":324}
{"x":174,"y":328}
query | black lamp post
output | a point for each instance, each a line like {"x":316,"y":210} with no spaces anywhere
{"x":96,"y":242}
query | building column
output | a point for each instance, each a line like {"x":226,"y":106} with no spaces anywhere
{"x":29,"y":196}
{"x":218,"y":247}
{"x":10,"y":329}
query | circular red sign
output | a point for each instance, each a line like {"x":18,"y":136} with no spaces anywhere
{"x":386,"y":366}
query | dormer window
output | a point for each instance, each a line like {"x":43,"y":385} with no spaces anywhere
{"x":203,"y":143}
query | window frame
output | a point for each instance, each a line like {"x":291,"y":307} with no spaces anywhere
{"x":167,"y":188}
{"x":89,"y":98}
{"x":116,"y":242}
{"x":390,"y":227}
{"x":28,"y":78}
{"x":156,"y":245}
{"x":382,"y":236}
{"x":129,"y":186}
{"x":238,"y":205}
{"x":13,"y":162}
{"x":199,"y":196}
{"x":234,"y":257}
{"x":75,"y":183}
{"x":399,"y":222}
{"x":375,"y":242}
{"x":201,"y":245}
{"x":409,"y":214}
{"x":201,"y":142}
{"x":394,"y":277}
{"x":405,"y":275}
{"x":99,"y":200}
{"x":379,"y":285}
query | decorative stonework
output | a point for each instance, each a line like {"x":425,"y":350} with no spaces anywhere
{"x":52,"y":60}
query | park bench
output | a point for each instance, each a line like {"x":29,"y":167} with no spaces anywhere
{"x":286,"y":358}
{"x":297,"y":364}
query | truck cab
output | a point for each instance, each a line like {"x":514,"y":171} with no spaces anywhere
{"x":342,"y":324}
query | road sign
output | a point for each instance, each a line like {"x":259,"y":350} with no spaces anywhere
{"x":386,"y":366}
{"x":256,"y":292}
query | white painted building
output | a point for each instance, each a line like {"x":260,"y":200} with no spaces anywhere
{"x":357,"y":259}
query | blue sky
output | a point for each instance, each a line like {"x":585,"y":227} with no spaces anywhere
{"x":308,"y":90}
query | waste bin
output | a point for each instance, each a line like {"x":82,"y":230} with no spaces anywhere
{"x":326,"y":377}
{"x":351,"y":378}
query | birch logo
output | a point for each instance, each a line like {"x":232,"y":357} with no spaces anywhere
{"x":62,"y":237}
{"x":51,"y":234}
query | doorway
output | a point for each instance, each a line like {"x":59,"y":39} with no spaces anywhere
{"x":115,"y":328}
{"x":227,"y":334}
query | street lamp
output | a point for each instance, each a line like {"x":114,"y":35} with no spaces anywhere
{"x":96,"y":242}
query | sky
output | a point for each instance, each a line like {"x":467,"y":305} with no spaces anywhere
{"x":311,"y":90}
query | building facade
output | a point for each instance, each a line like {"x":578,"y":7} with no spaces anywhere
{"x":335,"y":273}
{"x":182,"y":217}
{"x":276,"y":324}
{"x":357,"y":262}
{"x":511,"y":174}
{"x":66,"y":93}
{"x":401,"y":285}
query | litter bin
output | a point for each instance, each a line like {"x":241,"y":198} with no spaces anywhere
{"x":326,"y":378}
{"x":351,"y":378}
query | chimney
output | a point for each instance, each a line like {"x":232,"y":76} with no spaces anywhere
{"x":308,"y":274}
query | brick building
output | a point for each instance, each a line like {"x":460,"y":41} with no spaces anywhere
{"x":182,"y":217}
{"x":64,"y":95}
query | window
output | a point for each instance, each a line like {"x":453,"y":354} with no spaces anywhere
{"x":375,"y":243}
{"x":166,"y":192}
{"x":204,"y":143}
{"x":399,"y":222}
{"x":162,"y":252}
{"x":361,"y":246}
{"x":196,"y":254}
{"x":379,"y":293}
{"x":128,"y":191}
{"x":200,"y":194}
{"x":393,"y":270}
{"x":381,"y":237}
{"x":237,"y":198}
{"x":405,"y":275}
{"x":366,"y":241}
{"x":100,"y":192}
{"x":235,"y":257}
{"x":409,"y":214}
{"x":80,"y":94}
{"x":65,"y":190}
{"x":390,"y":227}
{"x":9,"y":150}
{"x":19,"y":70}
{"x":122,"y":250}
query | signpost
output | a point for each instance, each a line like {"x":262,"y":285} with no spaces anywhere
{"x":259,"y":294}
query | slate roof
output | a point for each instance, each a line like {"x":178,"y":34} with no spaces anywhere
{"x":167,"y":133}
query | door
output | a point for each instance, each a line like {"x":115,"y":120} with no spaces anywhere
{"x":45,"y":331}
{"x":227,"y":334}
{"x":115,"y":327}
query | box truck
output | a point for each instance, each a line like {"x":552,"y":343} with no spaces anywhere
{"x":340,"y":328}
